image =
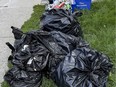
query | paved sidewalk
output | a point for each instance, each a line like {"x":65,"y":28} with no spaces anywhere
{"x":12,"y":12}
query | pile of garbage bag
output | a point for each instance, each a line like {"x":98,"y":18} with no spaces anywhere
{"x":57,"y":51}
{"x":61,"y":20}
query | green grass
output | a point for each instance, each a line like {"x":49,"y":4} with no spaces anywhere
{"x":33,"y":22}
{"x":99,"y":29}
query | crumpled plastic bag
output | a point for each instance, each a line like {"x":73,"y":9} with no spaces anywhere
{"x":57,"y":51}
{"x":38,"y":51}
{"x":33,"y":49}
{"x":61,"y":20}
{"x":83,"y":67}
{"x":17,"y":77}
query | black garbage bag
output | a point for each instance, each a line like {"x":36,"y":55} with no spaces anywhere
{"x":50,"y":1}
{"x":33,"y":49}
{"x":83,"y":67}
{"x":66,"y":59}
{"x":61,"y":20}
{"x":21,"y":78}
{"x":38,"y":52}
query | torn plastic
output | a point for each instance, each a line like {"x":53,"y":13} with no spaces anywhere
{"x":61,"y":20}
